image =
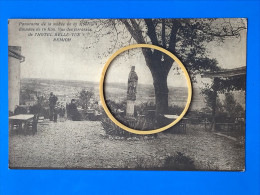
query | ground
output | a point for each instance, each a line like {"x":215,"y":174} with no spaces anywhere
{"x":82,"y":144}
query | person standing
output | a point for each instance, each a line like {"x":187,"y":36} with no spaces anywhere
{"x":73,"y":110}
{"x":62,"y":112}
{"x":52,"y":103}
{"x":55,"y":113}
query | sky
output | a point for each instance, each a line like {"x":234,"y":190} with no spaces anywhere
{"x":79,"y":59}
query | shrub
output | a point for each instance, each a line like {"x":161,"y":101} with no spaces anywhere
{"x":84,"y":98}
{"x":137,"y":123}
{"x":179,"y":162}
{"x":111,"y":128}
{"x":175,"y":110}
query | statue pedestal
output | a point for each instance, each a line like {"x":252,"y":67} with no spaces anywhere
{"x":130,"y":107}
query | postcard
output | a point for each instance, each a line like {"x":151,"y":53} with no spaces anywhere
{"x":134,"y":94}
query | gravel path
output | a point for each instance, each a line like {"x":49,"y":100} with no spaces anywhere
{"x":81,"y":144}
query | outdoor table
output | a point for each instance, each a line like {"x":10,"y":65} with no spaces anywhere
{"x":90,"y":114}
{"x":21,"y":119}
{"x":174,"y":117}
{"x":80,"y":109}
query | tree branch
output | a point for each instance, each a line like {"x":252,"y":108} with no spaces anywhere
{"x":132,"y":31}
{"x":163,"y":34}
{"x":222,"y":33}
{"x":137,"y":30}
{"x":151,"y":31}
{"x":172,"y":42}
{"x":114,"y":25}
{"x":137,"y":35}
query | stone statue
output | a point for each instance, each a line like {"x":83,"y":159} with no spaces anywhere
{"x":131,"y":92}
{"x":132,"y":84}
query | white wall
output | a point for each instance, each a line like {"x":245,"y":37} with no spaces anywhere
{"x":13,"y":82}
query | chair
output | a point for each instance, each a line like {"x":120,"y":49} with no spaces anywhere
{"x":33,"y":124}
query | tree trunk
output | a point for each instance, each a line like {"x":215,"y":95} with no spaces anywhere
{"x":159,"y":70}
{"x":161,"y":92}
{"x":158,"y":67}
{"x":214,"y":102}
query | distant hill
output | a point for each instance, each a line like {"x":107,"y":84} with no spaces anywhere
{"x":73,"y":83}
{"x":117,"y":91}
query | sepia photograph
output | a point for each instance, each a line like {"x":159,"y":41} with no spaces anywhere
{"x":56,"y":116}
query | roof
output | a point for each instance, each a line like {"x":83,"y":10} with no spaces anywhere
{"x":225,"y":73}
{"x":15,"y":52}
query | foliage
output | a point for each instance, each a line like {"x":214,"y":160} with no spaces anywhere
{"x":111,"y":128}
{"x":141,"y":121}
{"x":229,"y":105}
{"x":144,"y":107}
{"x":186,"y":38}
{"x":209,"y":94}
{"x":233,"y":108}
{"x":231,"y":84}
{"x":25,"y":95}
{"x":209,"y":100}
{"x":138,"y":122}
{"x":114,"y":107}
{"x":177,"y":110}
{"x":179,"y":162}
{"x":84,"y":98}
